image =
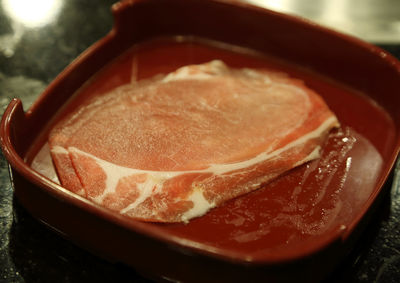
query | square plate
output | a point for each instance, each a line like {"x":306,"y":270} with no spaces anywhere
{"x":304,"y":221}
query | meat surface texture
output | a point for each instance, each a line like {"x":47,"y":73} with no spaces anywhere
{"x":170,"y":148}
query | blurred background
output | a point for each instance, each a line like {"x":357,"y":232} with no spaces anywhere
{"x":372,"y":20}
{"x":38,"y":39}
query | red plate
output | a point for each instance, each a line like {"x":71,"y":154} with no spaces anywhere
{"x":297,"y":227}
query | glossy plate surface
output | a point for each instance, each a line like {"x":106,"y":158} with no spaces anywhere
{"x":303,"y":215}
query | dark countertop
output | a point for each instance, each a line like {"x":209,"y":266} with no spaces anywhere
{"x":30,"y":58}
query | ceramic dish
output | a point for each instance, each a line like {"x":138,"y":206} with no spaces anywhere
{"x":297,"y":227}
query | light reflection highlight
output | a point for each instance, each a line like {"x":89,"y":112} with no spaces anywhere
{"x":32,"y":13}
{"x":278,"y":5}
{"x":376,"y":21}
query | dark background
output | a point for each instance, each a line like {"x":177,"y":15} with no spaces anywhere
{"x":30,"y":58}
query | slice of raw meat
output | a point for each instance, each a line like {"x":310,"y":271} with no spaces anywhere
{"x":172,"y":147}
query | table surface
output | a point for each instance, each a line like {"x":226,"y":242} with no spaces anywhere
{"x":31,"y":55}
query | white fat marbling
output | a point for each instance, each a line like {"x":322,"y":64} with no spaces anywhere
{"x":43,"y":163}
{"x":200,"y":205}
{"x":155,"y":179}
{"x":197,"y":72}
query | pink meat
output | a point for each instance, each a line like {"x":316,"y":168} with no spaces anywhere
{"x":170,"y":148}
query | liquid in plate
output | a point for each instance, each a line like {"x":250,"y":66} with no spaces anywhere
{"x":309,"y":201}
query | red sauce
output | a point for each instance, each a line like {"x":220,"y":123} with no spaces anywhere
{"x":308,"y":202}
